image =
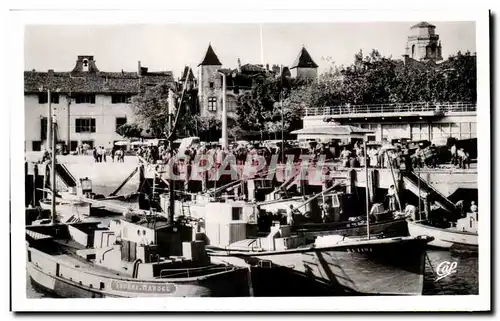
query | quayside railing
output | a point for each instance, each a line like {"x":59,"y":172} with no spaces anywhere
{"x":418,"y":107}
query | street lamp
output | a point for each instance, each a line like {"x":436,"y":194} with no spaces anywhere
{"x":50,"y":115}
{"x":51,"y":142}
{"x":224,"y":111}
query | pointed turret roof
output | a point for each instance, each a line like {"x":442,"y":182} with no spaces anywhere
{"x":187,"y":73}
{"x":211,"y":58}
{"x":423,"y":24}
{"x":304,"y":60}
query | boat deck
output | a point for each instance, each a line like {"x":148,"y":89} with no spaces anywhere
{"x":86,"y":266}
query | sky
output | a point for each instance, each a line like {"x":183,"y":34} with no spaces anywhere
{"x":173,"y":46}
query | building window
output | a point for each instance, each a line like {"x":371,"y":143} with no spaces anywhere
{"x":212,"y":104}
{"x":43,"y":98}
{"x":85,"y":99}
{"x":441,"y":130}
{"x":36,"y":146}
{"x":43,"y":128}
{"x":467,"y":130}
{"x":120,"y":99}
{"x":473,"y":130}
{"x":120,"y":121}
{"x":85,"y":125}
{"x":419,"y":131}
{"x":211,"y":84}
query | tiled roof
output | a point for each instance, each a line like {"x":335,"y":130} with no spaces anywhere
{"x":252,"y":68}
{"x":91,"y":82}
{"x":304,"y":60}
{"x":423,"y":24}
{"x":210,"y":59}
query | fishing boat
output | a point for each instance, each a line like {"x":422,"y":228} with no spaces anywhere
{"x":83,"y":260}
{"x":462,"y":236}
{"x":136,"y":256}
{"x":283,"y":263}
{"x":68,"y":211}
{"x":283,"y":266}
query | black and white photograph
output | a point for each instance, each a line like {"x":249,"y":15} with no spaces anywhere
{"x":185,"y":163}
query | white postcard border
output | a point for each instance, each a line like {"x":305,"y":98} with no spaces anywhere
{"x":15,"y":99}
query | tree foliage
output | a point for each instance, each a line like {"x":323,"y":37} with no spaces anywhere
{"x":375,"y":79}
{"x":263,"y":108}
{"x":132,"y":130}
{"x":151,"y":107}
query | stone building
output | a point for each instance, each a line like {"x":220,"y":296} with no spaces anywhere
{"x":423,"y":43}
{"x":89,"y":104}
{"x":304,"y":66}
{"x":240,"y":80}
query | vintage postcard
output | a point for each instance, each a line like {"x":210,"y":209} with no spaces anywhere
{"x":194,"y":165}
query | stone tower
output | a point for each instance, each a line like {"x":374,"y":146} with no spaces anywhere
{"x":209,"y":84}
{"x":423,"y":43}
{"x":304,"y":66}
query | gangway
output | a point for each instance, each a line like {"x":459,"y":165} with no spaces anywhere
{"x":65,"y":175}
{"x":422,"y":189}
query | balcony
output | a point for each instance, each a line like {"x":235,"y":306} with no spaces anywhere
{"x":392,"y":110}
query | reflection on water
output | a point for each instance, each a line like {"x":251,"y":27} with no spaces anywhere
{"x":464,"y":281}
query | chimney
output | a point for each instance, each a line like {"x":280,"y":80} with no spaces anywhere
{"x":139,"y":67}
{"x":267,"y":67}
{"x":239,"y":65}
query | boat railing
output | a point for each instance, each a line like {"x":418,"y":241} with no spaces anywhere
{"x":417,"y":107}
{"x":191,"y":272}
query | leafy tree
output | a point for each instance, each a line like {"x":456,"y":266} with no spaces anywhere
{"x":151,"y":106}
{"x":256,"y":107}
{"x":130,"y":130}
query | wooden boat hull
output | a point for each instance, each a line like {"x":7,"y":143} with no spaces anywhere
{"x":385,"y":267}
{"x":390,"y":228}
{"x":51,"y":276}
{"x":444,"y":238}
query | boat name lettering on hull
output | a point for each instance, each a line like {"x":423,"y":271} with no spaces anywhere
{"x":360,"y":249}
{"x":143,"y":287}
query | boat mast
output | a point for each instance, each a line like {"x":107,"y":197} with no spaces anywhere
{"x":172,"y":124}
{"x":154,"y":188}
{"x":53,"y":172}
{"x":367,"y":196}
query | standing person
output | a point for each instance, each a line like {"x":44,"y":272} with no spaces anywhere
{"x":94,"y":153}
{"x":460,"y":158}
{"x":461,"y":208}
{"x":453,"y":151}
{"x":473,"y":207}
{"x":391,"y":195}
{"x":345,"y":154}
{"x":104,"y":152}
{"x":289,"y":215}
